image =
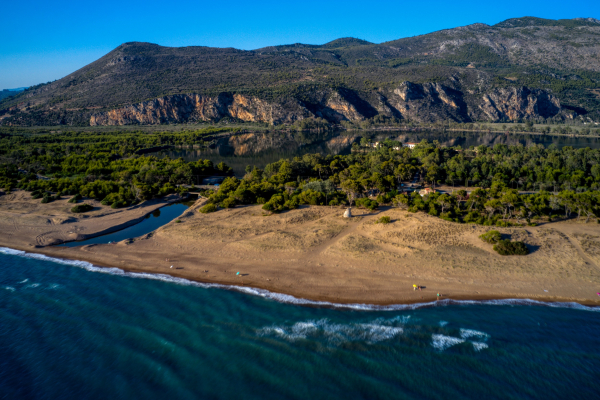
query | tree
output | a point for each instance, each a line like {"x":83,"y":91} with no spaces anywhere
{"x":402,"y":200}
{"x":352,"y":188}
{"x":567,"y":201}
{"x":461,"y":195}
{"x":444,"y":201}
{"x":285,"y":172}
{"x":584,"y":203}
{"x":404,"y":172}
{"x":432,"y":173}
{"x":492,"y":206}
{"x":509,"y":199}
{"x":554,"y":202}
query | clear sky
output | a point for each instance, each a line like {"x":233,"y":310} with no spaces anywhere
{"x":42,"y":40}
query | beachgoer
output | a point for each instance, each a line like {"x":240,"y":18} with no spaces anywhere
{"x":419,"y":288}
{"x":414,"y":287}
{"x":438,"y":296}
{"x":172,"y":267}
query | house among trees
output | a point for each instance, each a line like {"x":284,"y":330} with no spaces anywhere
{"x":410,"y":145}
{"x":426,"y":191}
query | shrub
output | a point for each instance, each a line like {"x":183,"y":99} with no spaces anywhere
{"x":118,"y":204}
{"x":36,"y":196}
{"x":384,"y":220}
{"x":47,"y":199}
{"x":448,"y":217}
{"x":309,"y":196}
{"x":228,"y":203}
{"x":491,"y":237}
{"x":276,"y":204}
{"x":292,"y":203}
{"x":208,"y":208}
{"x":367,"y":203}
{"x":508,"y":248}
{"x":81,"y":208}
{"x":75,"y":198}
{"x":474,"y":217}
{"x":110,"y":199}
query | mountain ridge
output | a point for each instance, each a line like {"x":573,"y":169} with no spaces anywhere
{"x":558,"y":57}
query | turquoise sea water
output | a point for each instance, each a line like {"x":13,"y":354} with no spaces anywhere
{"x":69,"y":330}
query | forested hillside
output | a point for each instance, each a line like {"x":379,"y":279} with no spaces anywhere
{"x":520,"y":69}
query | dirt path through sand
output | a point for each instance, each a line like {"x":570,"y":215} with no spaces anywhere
{"x":316,"y":251}
{"x":581,"y":252}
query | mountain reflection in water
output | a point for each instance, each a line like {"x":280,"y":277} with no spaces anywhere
{"x":260,"y":149}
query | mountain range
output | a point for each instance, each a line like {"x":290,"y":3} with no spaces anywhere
{"x":520,"y":69}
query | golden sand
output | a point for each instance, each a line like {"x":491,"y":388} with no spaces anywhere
{"x":315,"y":253}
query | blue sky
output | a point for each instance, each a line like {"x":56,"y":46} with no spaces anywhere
{"x":42,"y":41}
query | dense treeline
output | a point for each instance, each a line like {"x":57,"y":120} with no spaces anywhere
{"x":107,"y":167}
{"x":374,"y":178}
{"x":103,"y":166}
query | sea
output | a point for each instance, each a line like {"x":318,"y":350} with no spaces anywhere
{"x":72,"y":330}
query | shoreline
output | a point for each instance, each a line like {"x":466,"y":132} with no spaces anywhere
{"x":314,"y":253}
{"x":548,"y":301}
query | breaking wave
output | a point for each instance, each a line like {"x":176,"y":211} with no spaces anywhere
{"x":469,"y":333}
{"x":285,"y":298}
{"x":372,"y":332}
{"x":442,"y":342}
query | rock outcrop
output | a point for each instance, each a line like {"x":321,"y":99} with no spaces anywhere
{"x":519,"y":103}
{"x":427,"y":102}
{"x":195,"y":107}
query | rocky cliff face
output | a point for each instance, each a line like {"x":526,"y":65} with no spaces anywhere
{"x":519,"y":103}
{"x":195,"y":107}
{"x":428,"y":102}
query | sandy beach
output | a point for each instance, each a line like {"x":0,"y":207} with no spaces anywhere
{"x":314,"y":253}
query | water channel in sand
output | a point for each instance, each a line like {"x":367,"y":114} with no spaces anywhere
{"x":152,"y":222}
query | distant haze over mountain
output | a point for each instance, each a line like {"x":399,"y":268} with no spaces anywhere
{"x":520,"y":69}
{"x":10,"y":92}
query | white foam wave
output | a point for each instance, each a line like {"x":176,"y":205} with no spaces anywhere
{"x":32,"y":285}
{"x":373,"y":332}
{"x":10,"y":288}
{"x":478,"y":346}
{"x":23,"y":281}
{"x":443,"y":323}
{"x":469,"y":333}
{"x":285,"y":298}
{"x":443,"y":342}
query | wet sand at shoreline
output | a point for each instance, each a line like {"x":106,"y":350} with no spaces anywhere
{"x":314,"y":253}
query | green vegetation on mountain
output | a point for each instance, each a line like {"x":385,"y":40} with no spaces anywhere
{"x":557,"y":56}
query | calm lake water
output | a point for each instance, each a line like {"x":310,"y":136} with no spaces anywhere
{"x":152,"y":222}
{"x":260,"y":149}
{"x":70,"y":330}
